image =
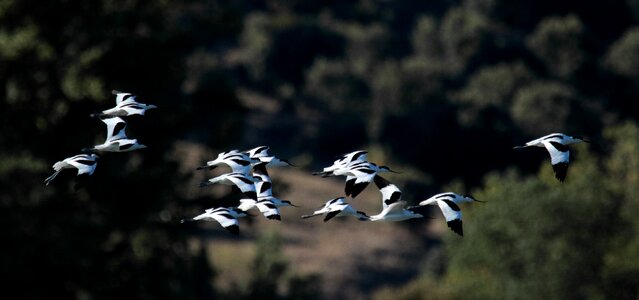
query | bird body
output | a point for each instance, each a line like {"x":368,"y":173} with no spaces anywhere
{"x":227,"y":217}
{"x":447,"y":203}
{"x":243,"y":181}
{"x":556,"y":144}
{"x":260,"y":154}
{"x":343,"y":161}
{"x":359,"y":175}
{"x":238,"y":162}
{"x":265,"y":206}
{"x":116,"y":140}
{"x":85,"y":163}
{"x":125,"y":105}
{"x":397,"y":211}
{"x":337,"y":207}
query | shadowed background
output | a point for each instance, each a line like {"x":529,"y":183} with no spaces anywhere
{"x":439,"y":90}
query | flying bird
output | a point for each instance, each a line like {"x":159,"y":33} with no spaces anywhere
{"x":397,"y":211}
{"x":343,"y":161}
{"x":556,"y":144}
{"x":447,"y":203}
{"x":265,"y":206}
{"x":337,"y":208}
{"x":125,"y":105}
{"x":227,"y":217}
{"x":116,"y":140}
{"x":239,"y":162}
{"x":245,"y":182}
{"x":85,"y":163}
{"x":261,"y":155}
{"x":358,"y":175}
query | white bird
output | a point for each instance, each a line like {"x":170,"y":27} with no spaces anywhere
{"x":343,"y":161}
{"x":358,"y":175}
{"x":337,"y":208}
{"x":245,"y":182}
{"x":265,"y":206}
{"x":556,"y":144}
{"x":116,"y":140}
{"x":447,"y":203}
{"x":278,"y":202}
{"x":238,"y":162}
{"x":261,"y":154}
{"x":125,"y":105}
{"x":397,"y":211}
{"x":85,"y":163}
{"x":227,"y":217}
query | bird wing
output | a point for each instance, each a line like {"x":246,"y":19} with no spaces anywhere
{"x":264,"y":188}
{"x":334,"y":210}
{"x":396,"y":207}
{"x":452,"y":214}
{"x":115,"y":128}
{"x":84,"y":163}
{"x":244,"y":183}
{"x":268,"y":209}
{"x":390,"y":195}
{"x":559,"y":158}
{"x":226,"y":220}
{"x":260,"y":151}
{"x":120,"y":96}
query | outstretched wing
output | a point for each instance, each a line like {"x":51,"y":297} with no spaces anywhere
{"x":115,"y":128}
{"x":390,"y":192}
{"x":559,"y":158}
{"x":244,"y":183}
{"x":268,"y":209}
{"x":452,"y":214}
{"x":256,"y":152}
{"x":84,"y":163}
{"x":227,"y":221}
{"x":121,"y":96}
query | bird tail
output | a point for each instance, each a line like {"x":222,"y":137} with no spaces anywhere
{"x":50,"y":178}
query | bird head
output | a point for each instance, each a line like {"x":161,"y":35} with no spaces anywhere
{"x":470,"y":198}
{"x":578,"y":138}
{"x":289,"y":203}
{"x":387,"y":169}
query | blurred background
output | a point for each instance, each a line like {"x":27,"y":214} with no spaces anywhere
{"x":440,"y":90}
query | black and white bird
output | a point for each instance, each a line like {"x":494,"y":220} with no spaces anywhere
{"x":238,"y":161}
{"x":265,"y":206}
{"x":447,"y":203}
{"x":397,"y":211}
{"x":261,"y":154}
{"x":227,"y":217}
{"x":125,"y":105}
{"x":116,"y":140}
{"x":343,"y":161}
{"x":337,"y":208}
{"x":358,"y":175}
{"x":556,"y":144}
{"x":85,"y":163}
{"x":393,"y":207}
{"x":245,"y":182}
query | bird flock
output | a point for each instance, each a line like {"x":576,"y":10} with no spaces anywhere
{"x":249,"y":174}
{"x":116,"y":140}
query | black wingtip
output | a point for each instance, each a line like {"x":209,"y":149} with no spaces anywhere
{"x":234,"y":229}
{"x":456,"y":226}
{"x":358,"y":188}
{"x":274,"y":217}
{"x":561,"y":169}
